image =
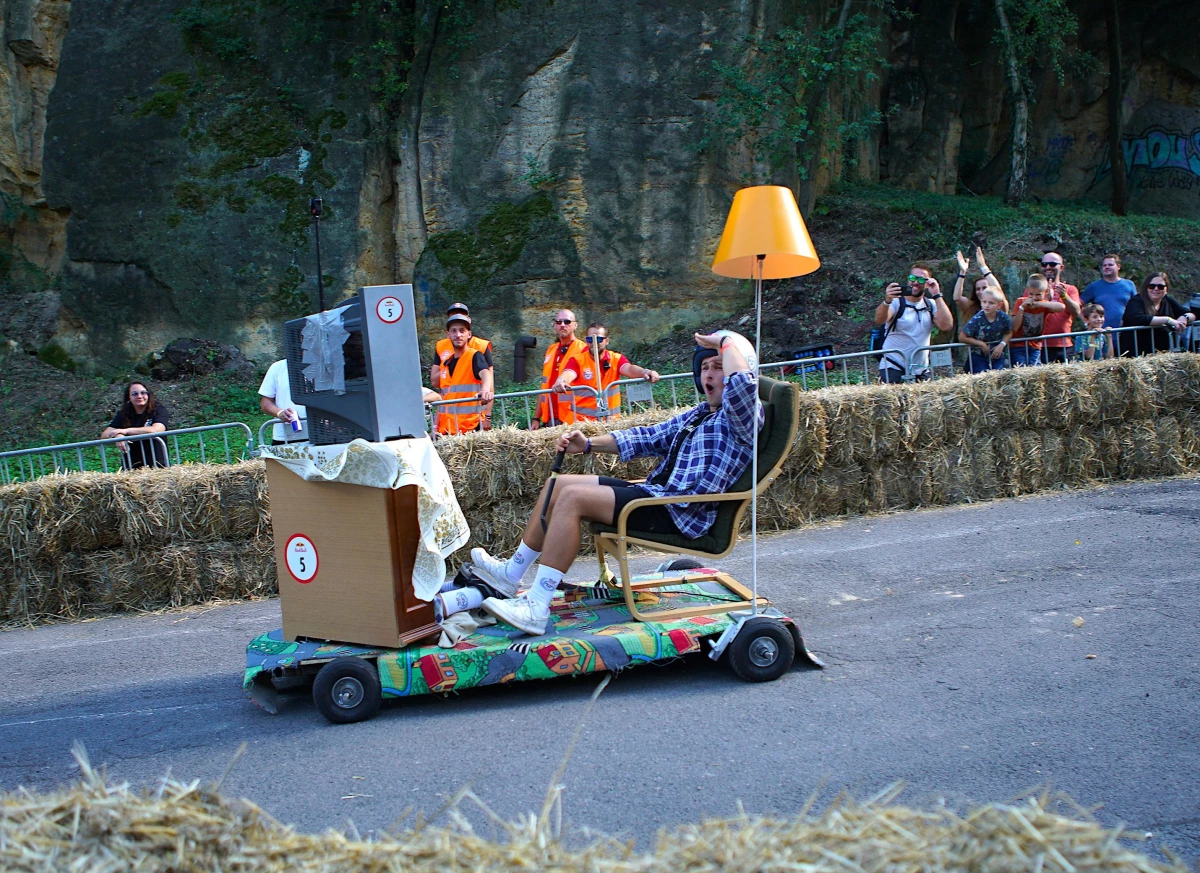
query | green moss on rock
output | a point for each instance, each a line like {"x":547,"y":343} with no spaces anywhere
{"x":56,"y":356}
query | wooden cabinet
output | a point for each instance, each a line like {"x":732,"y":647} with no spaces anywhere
{"x":344,"y":556}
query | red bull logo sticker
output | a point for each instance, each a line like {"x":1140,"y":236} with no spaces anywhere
{"x":300,"y":557}
{"x":390,"y":310}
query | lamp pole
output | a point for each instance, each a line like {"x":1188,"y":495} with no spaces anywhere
{"x":314,"y":209}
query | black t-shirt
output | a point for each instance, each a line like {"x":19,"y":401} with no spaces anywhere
{"x":139,"y":452}
{"x":1149,"y":339}
{"x":482,"y":361}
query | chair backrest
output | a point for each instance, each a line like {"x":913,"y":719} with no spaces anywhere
{"x":781,"y":420}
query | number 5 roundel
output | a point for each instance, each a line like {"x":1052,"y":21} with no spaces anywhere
{"x":300,"y":555}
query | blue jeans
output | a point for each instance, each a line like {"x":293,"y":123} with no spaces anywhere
{"x":1025,"y":355}
{"x":980,"y":363}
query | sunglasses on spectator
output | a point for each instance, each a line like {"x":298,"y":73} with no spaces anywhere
{"x":917,"y":280}
{"x":564,"y":321}
{"x":1156,"y":285}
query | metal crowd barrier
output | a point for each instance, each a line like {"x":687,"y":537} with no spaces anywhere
{"x":500,"y":401}
{"x":59,"y":456}
{"x":1178,"y":342}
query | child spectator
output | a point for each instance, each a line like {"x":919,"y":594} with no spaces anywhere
{"x":1099,"y":345}
{"x":1029,"y":320}
{"x":988,"y":333}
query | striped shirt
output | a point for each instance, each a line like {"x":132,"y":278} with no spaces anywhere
{"x":711,"y":458}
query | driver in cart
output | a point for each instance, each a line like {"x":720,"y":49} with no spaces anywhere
{"x":704,"y":451}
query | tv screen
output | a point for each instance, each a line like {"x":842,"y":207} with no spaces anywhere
{"x":357,"y":368}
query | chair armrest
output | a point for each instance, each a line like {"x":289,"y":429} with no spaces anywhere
{"x":622,"y":520}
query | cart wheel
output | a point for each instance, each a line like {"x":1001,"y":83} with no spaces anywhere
{"x":762,"y":651}
{"x":674,"y":564}
{"x":347,"y":690}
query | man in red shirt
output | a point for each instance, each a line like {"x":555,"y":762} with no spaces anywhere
{"x":612,"y":366}
{"x":1057,"y":348}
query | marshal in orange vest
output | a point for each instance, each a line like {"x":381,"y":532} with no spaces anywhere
{"x":610,"y":372}
{"x":557,"y":408}
{"x":461,"y":386}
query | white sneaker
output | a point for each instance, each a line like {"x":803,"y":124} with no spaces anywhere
{"x":493,"y":571}
{"x":522,"y":613}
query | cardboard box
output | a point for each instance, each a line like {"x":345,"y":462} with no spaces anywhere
{"x":344,"y":557}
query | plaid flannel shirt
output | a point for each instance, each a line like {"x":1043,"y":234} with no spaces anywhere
{"x":712,"y":457}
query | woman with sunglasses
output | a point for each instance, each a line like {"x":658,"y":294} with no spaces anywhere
{"x":139,"y":414}
{"x":1158,"y":313}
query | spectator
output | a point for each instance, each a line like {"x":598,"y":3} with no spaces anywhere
{"x":1095,"y":346}
{"x":612,"y":366}
{"x":139,"y":414}
{"x":1029,"y":320}
{"x":445,"y":350}
{"x":465,"y":376}
{"x":1056,"y":348}
{"x":968,"y":304}
{"x":275,"y":399}
{"x":988,"y":334}
{"x":1158,"y":313}
{"x":1111,"y":291}
{"x":910,"y":315}
{"x":558,"y":408}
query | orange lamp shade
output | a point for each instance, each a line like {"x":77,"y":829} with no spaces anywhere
{"x":764,"y":220}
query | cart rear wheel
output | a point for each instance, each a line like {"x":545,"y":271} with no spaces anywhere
{"x":762,"y":651}
{"x":674,"y":564}
{"x":347,"y":690}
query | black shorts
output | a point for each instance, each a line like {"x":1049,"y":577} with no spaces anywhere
{"x":652,"y":519}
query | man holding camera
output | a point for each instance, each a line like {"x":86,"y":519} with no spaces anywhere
{"x":1057,"y":348}
{"x":910,"y":313}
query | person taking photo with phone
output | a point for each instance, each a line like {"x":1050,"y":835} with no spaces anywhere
{"x":909,"y":314}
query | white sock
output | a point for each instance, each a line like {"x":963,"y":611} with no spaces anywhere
{"x":459,"y":600}
{"x":544,"y":586}
{"x":520,"y":562}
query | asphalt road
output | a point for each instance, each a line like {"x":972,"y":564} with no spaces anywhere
{"x":955,"y":664}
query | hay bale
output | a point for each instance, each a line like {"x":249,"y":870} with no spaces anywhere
{"x":100,"y":825}
{"x":1126,"y":388}
{"x":812,"y":436}
{"x":997,"y":401}
{"x":931,"y":418}
{"x":1169,"y":445}
{"x":957,"y":406}
{"x":1080,"y":459}
{"x":56,"y":514}
{"x":1030,"y":467}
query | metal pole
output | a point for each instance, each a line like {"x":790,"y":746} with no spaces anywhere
{"x":314,"y":209}
{"x":754,"y":457}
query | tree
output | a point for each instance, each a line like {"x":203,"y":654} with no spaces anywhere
{"x":776,"y":98}
{"x":1032,"y":32}
{"x":1120,"y":192}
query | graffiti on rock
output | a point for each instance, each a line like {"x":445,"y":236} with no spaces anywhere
{"x":1160,"y":150}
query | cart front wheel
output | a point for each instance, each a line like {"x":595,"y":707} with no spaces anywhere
{"x":347,"y":690}
{"x":762,"y":651}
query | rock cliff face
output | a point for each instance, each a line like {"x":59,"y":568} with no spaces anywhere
{"x":556,"y":157}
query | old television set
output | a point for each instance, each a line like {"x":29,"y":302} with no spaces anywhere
{"x":373,"y":337}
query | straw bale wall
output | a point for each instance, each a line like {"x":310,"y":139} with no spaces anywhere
{"x":87,"y":544}
{"x":98,"y":824}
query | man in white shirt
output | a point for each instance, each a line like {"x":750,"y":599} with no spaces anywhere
{"x":276,"y":401}
{"x":910,"y":313}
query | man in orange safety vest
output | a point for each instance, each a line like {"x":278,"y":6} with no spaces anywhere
{"x":558,"y":408}
{"x":600,"y":369}
{"x":463,"y":373}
